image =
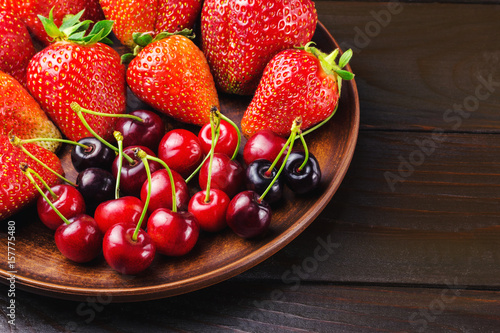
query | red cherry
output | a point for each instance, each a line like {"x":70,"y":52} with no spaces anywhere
{"x":125,"y":210}
{"x":133,"y":175}
{"x":228,"y":139}
{"x":174,"y":233}
{"x":247,"y":216}
{"x":181,"y":150}
{"x":211,"y":215}
{"x":124,"y":254}
{"x":147,"y":133}
{"x":69,"y":202}
{"x":80,"y":240}
{"x":161,"y":191}
{"x":227,"y":175}
{"x":264,"y":144}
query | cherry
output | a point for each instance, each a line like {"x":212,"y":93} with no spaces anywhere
{"x":133,"y":174}
{"x":247,"y":215}
{"x":123,"y":253}
{"x":161,"y":191}
{"x":227,"y":175}
{"x":258,"y":178}
{"x":211,"y":214}
{"x":302,"y":178}
{"x":124,"y":210}
{"x":181,"y":150}
{"x":66,"y":199}
{"x":264,"y":144}
{"x":147,"y":133}
{"x":227,"y":142}
{"x":174,"y":233}
{"x":80,"y":240}
{"x":96,"y":185}
{"x":96,"y":155}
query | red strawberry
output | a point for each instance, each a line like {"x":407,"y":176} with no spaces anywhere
{"x":240,"y":37}
{"x":149,"y":16}
{"x":16,"y":46}
{"x":16,"y":191}
{"x":296,"y":82}
{"x":28,"y":11}
{"x":172,"y":75}
{"x":22,"y":115}
{"x":82,"y":70}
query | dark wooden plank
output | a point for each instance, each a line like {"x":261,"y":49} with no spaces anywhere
{"x":438,"y":224}
{"x":416,"y":63}
{"x":271,"y":307}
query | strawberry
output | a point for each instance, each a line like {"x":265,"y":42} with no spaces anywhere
{"x":149,"y":16}
{"x":28,"y":11}
{"x":16,"y":191}
{"x":78,"y":68}
{"x":240,"y":37}
{"x":16,"y":46}
{"x":296,"y":82}
{"x":21,"y":114}
{"x":172,"y":75}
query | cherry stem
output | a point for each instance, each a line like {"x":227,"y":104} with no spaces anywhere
{"x":294,"y":131}
{"x":215,"y":129}
{"x":306,"y":152}
{"x":27,"y":171}
{"x":119,"y":140}
{"x":312,"y":129}
{"x":34,"y":140}
{"x":287,"y":143}
{"x":113,"y":115}
{"x":143,"y":156}
{"x":16,"y":142}
{"x":237,"y":149}
{"x":171,"y":178}
{"x":191,"y":176}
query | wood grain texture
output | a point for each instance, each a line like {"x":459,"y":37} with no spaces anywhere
{"x":420,"y":62}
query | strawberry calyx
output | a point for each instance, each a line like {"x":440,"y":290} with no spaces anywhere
{"x":143,"y":39}
{"x":73,"y":30}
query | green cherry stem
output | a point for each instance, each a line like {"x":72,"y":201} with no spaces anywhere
{"x":295,"y":129}
{"x":16,"y":142}
{"x":237,"y":149}
{"x":79,"y":112}
{"x":28,"y":173}
{"x":306,"y":152}
{"x":170,"y":176}
{"x":143,"y":156}
{"x":71,"y":142}
{"x":119,"y":140}
{"x":112,"y":115}
{"x":215,"y":129}
{"x":191,"y":176}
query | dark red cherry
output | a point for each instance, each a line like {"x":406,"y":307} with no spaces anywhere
{"x":69,"y":202}
{"x":263,"y":145}
{"x":161,"y":191}
{"x":181,"y":150}
{"x":258,"y":180}
{"x":125,"y":210}
{"x":227,"y":142}
{"x":147,"y":133}
{"x":174,"y":233}
{"x":211,"y":214}
{"x":227,"y":175}
{"x":133,"y":174}
{"x":96,"y":185}
{"x":123,"y":253}
{"x":305,"y":180}
{"x":247,"y":216}
{"x":80,"y":240}
{"x":96,"y":155}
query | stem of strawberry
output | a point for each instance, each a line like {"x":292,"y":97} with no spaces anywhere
{"x":119,"y":140}
{"x":143,"y":156}
{"x":16,"y":142}
{"x":27,"y":171}
{"x":294,"y":131}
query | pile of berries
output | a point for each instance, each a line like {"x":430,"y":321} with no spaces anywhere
{"x":139,"y":189}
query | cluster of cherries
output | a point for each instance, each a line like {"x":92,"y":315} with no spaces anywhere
{"x":147,"y":181}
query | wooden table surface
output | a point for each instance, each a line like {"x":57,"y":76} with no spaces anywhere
{"x":411,"y":240}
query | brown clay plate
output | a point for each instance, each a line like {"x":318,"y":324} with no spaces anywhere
{"x":40,"y":268}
